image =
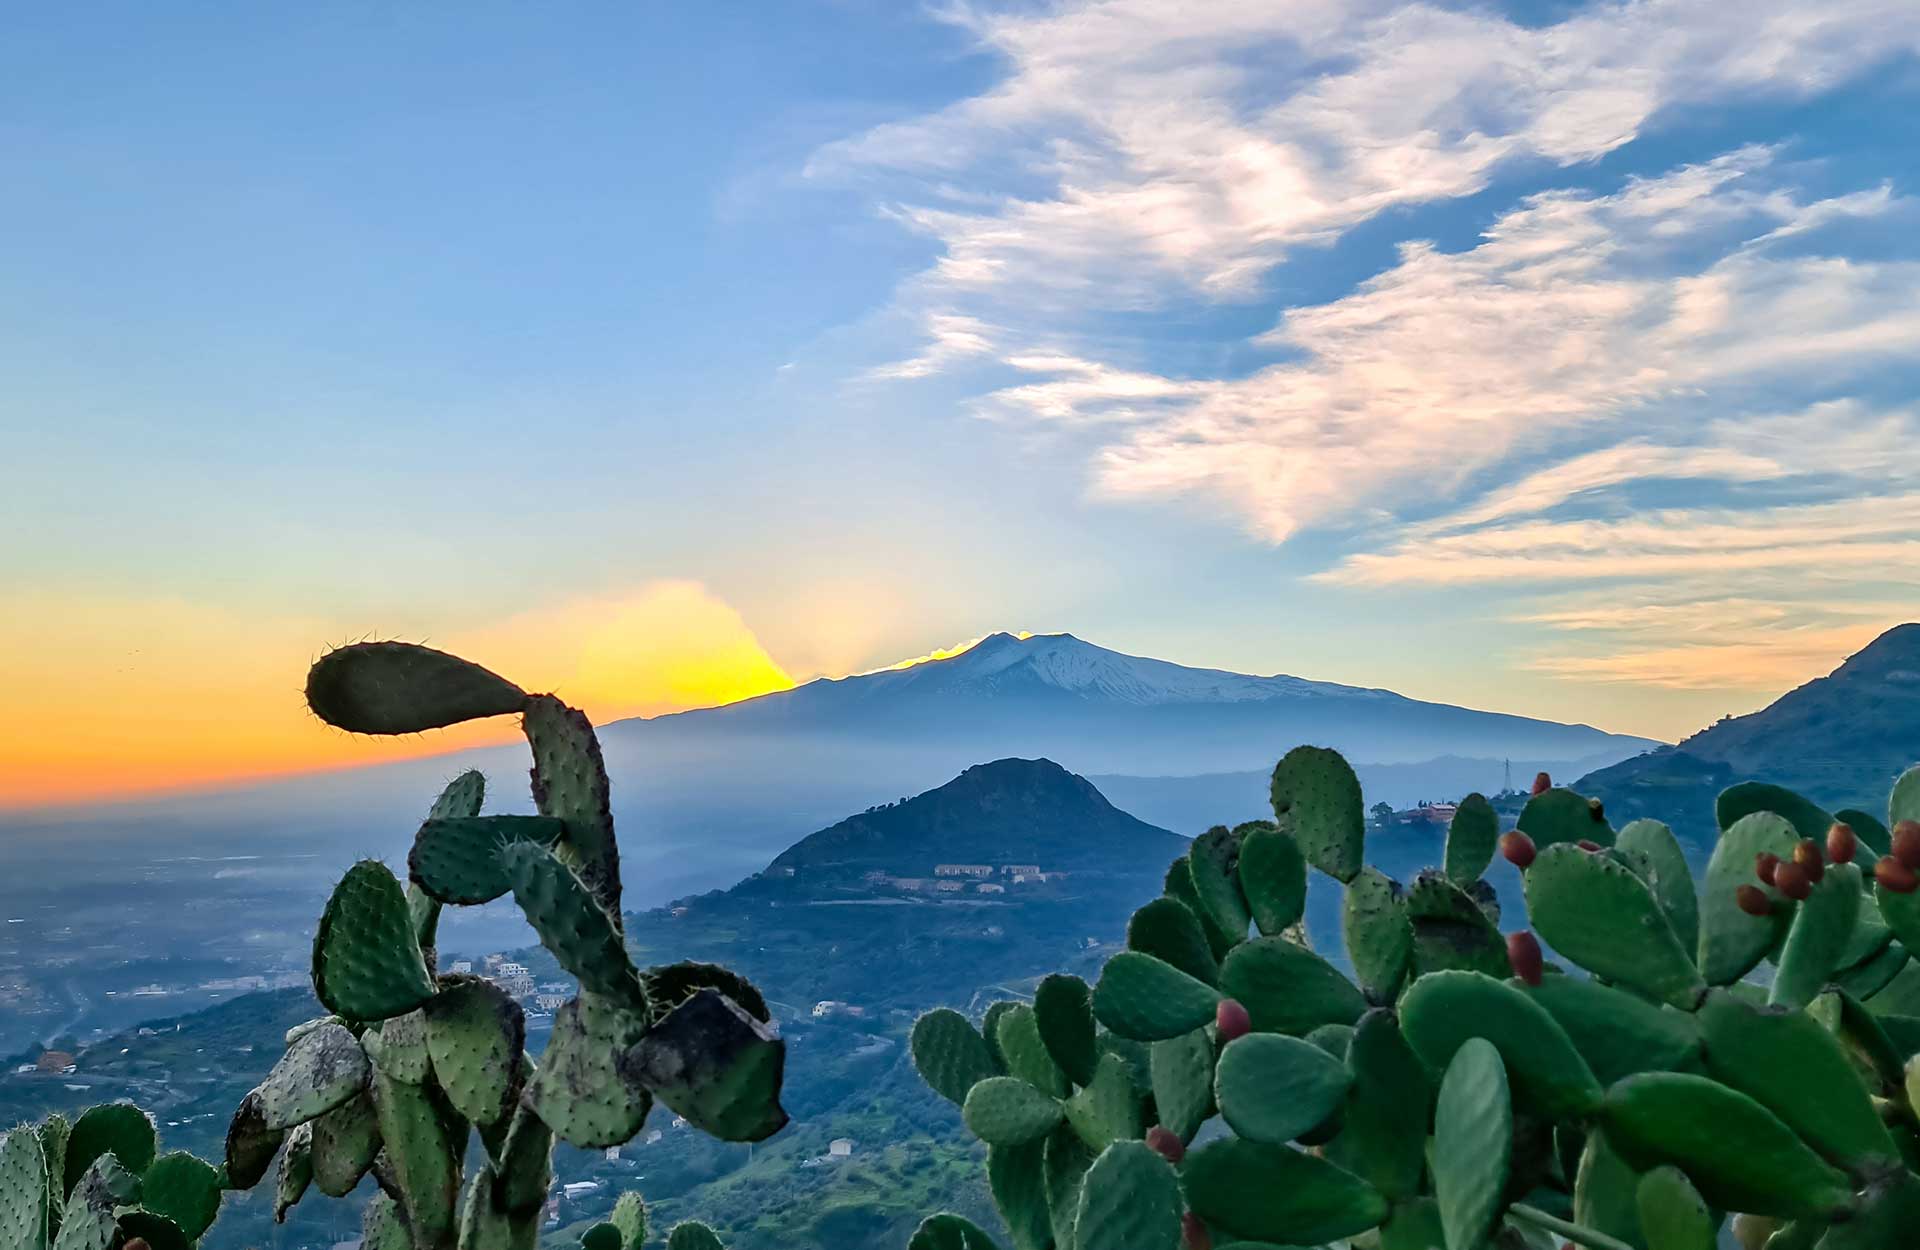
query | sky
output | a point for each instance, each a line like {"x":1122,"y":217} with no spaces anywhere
{"x":1548,"y":357}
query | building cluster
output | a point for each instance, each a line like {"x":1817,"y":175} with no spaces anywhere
{"x":966,"y":879}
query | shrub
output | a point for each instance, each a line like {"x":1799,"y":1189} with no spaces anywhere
{"x":1735,"y":1048}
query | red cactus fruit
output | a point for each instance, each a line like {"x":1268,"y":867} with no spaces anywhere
{"x":1523,"y":953}
{"x":1763,"y":865}
{"x":1166,"y":1143}
{"x":1792,"y":880}
{"x":1542,"y":783}
{"x":1588,"y":845}
{"x":1842,"y":844}
{"x":1895,"y":876}
{"x":1807,"y":856}
{"x":1232,"y":1020}
{"x":1518,"y":849}
{"x":1753,"y":900}
{"x":1906,"y":843}
{"x":1193,"y":1232}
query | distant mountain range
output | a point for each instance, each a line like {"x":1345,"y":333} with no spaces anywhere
{"x":1840,"y":740}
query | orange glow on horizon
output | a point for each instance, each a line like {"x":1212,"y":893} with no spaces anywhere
{"x":105,"y":697}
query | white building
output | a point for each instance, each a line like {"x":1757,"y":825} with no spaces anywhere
{"x":990,"y":887}
{"x":840,"y":1148}
{"x":460,"y":965}
{"x":963,"y":870}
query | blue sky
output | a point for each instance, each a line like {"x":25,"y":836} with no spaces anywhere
{"x":1554,"y":357}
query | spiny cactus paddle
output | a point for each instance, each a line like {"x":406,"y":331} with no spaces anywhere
{"x":1448,"y":1088}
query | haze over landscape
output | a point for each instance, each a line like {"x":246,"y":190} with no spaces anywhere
{"x":949,"y":453}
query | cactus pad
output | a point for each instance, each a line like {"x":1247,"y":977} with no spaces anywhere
{"x":475,"y":1036}
{"x":1451,"y":930}
{"x":714,"y":1064}
{"x":24,"y":1196}
{"x":322,"y":1070}
{"x":693,"y":1235}
{"x":578,"y":1090}
{"x":630,"y":1217}
{"x":1316,"y":798}
{"x":1168,"y":929}
{"x":1597,"y":913}
{"x":382,"y":1226}
{"x":1286,"y":988}
{"x":457,"y":860}
{"x":1006,"y":1111}
{"x":1618,"y":1033}
{"x":366,"y":961}
{"x":296,"y":1172}
{"x":1016,"y":1177}
{"x":1445,"y":1011}
{"x":1272,"y":1088}
{"x":1273,"y":877}
{"x":184,"y":1189}
{"x":1182,"y":1070}
{"x":1823,"y":927}
{"x":1390,"y":1090}
{"x":672,"y":984}
{"x":1559,"y":815}
{"x":1130,"y":1201}
{"x":1211,"y":862}
{"x":422,"y":1152}
{"x":117,"y":1128}
{"x":1109,"y":1108}
{"x":1149,"y":999}
{"x":1470,"y":838}
{"x":86,"y":1218}
{"x":1063,"y":1011}
{"x":1378,"y":933}
{"x":1277,"y":1194}
{"x":570,"y":783}
{"x":251,"y":1145}
{"x":943,"y":1232}
{"x":402,"y":688}
{"x":1731,"y":941}
{"x":398,"y":1048}
{"x":1668,"y":874}
{"x":572,"y":925}
{"x":950,"y":1054}
{"x":344,"y":1143}
{"x":1472,"y":1142}
{"x":1739,"y":801}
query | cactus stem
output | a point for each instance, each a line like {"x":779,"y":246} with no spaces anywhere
{"x":1566,"y":1228}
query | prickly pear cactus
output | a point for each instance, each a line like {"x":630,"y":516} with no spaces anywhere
{"x":121,"y":1191}
{"x":1736,"y":1057}
{"x":413,"y":1064}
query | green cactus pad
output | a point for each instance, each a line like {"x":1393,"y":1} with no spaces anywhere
{"x":1016,"y":1177}
{"x":117,"y":1128}
{"x":1618,"y":1033}
{"x":1063,"y":1012}
{"x":366,"y":960}
{"x":55,"y":1133}
{"x":693,"y":1235}
{"x":184,"y":1189}
{"x":305,"y":1027}
{"x":1378,"y":932}
{"x":1739,"y":1155}
{"x":1739,"y":801}
{"x":296,"y":1172}
{"x":1065,"y":1161}
{"x":251,"y":1145}
{"x":345,"y":1141}
{"x":1412,"y":1225}
{"x":578,"y":1091}
{"x":1316,"y":798}
{"x":322,"y":1070}
{"x":1149,"y":999}
{"x":1286,"y":988}
{"x":945,"y":1231}
{"x":1604,"y":918}
{"x":1559,"y":815}
{"x":402,"y":688}
{"x":1182,"y":1069}
{"x":1472,"y":1142}
{"x":1471,"y":838}
{"x":87,"y":1216}
{"x":1006,"y":1111}
{"x":463,"y":796}
{"x":24,"y":1196}
{"x":1732,"y":942}
{"x":950,"y":1054}
{"x":1823,"y":927}
{"x":1277,"y":1194}
{"x":1451,"y":930}
{"x":1130,"y":1200}
{"x":457,"y":860}
{"x":382,"y":1227}
{"x":570,"y":783}
{"x":423,"y":1152}
{"x":714,"y":1064}
{"x":1212,"y":862}
{"x":602,"y":1236}
{"x":1016,"y":1033}
{"x":524,"y":1164}
{"x":398,"y":1047}
{"x":630,"y":1217}
{"x":1902,"y":914}
{"x":990,"y":1030}
{"x":1169,"y":930}
{"x":1673,"y":1215}
{"x":1138,"y":1057}
{"x":475,"y":1036}
{"x":670,"y":985}
{"x":1440,"y":1013}
{"x":1273,"y":1088}
{"x":1866,"y":979}
{"x":1606,"y":1192}
{"x":1867,"y":828}
{"x":1889,"y":1211}
{"x":1109,"y":1108}
{"x":1273,"y":877}
{"x":1390,"y":1091}
{"x":158,"y":1231}
{"x":1870,"y":936}
{"x":1798,"y":1070}
{"x":571,"y":924}
{"x":1671,"y":879}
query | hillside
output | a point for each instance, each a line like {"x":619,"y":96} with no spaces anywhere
{"x":1839,"y":739}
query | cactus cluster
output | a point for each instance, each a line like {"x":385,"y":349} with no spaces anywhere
{"x":413,"y":1062}
{"x":1730,"y":1055}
